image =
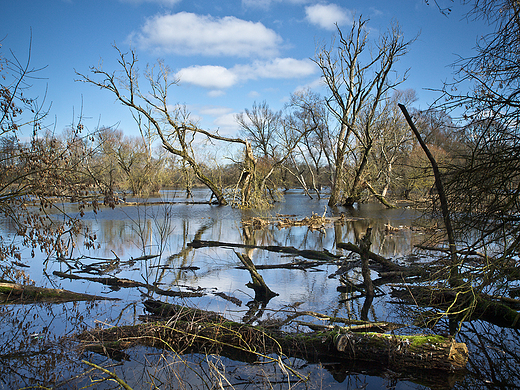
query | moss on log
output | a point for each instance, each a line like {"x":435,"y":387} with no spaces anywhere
{"x":18,"y":293}
{"x":194,"y":330}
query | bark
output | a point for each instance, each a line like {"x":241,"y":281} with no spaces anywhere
{"x":18,"y":293}
{"x":307,"y":253}
{"x":262,"y":292}
{"x":454,"y":272}
{"x":194,"y":330}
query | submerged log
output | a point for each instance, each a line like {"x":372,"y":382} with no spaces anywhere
{"x":384,"y":262}
{"x":18,"y":293}
{"x":194,"y":330}
{"x":306,"y":253}
{"x":127,"y":283}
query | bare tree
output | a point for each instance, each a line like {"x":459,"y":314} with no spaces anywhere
{"x":393,"y":142}
{"x":260,"y":126}
{"x":357,"y":89}
{"x":274,"y":141}
{"x":483,"y":182}
{"x":308,"y":116}
{"x":173,"y":126}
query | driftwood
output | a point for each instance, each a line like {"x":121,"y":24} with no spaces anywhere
{"x":300,"y":264}
{"x":18,"y":293}
{"x":386,"y":264}
{"x":127,"y":283}
{"x":194,"y":330}
{"x":306,"y":253}
{"x":262,"y":292}
{"x":314,"y":222}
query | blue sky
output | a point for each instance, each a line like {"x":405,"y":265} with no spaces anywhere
{"x":227,"y":54}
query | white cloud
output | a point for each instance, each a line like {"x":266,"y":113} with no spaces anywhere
{"x":279,"y":68}
{"x":315,"y":84}
{"x":189,"y":34}
{"x":227,"y":123}
{"x":209,"y":76}
{"x":215,"y":110}
{"x":218,"y":77}
{"x":327,"y":15}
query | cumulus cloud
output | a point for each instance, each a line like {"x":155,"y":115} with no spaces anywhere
{"x":216,"y":111}
{"x":218,"y":77}
{"x":327,"y":15}
{"x":227,"y":121}
{"x":278,"y":68}
{"x":186,"y":33}
{"x":208,"y":76}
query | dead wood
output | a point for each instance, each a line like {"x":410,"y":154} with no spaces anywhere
{"x":302,"y":265}
{"x":193,"y":330}
{"x":314,"y":222}
{"x":262,"y":292}
{"x":385,"y":263}
{"x":127,"y":283}
{"x":18,"y":293}
{"x":366,"y":243}
{"x":306,"y":253}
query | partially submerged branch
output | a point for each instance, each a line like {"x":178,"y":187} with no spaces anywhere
{"x":17,"y":293}
{"x":262,"y":292}
{"x":307,"y":253}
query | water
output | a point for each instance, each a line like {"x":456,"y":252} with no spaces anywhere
{"x":38,"y":346}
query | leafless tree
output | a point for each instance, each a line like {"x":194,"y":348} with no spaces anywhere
{"x":358,"y":80}
{"x":309,"y":116}
{"x":274,"y":140}
{"x":172,"y":124}
{"x":260,"y":125}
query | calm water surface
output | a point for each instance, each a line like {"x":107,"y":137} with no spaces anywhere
{"x":37,"y":339}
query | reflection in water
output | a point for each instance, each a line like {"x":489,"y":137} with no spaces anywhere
{"x":129,"y":232}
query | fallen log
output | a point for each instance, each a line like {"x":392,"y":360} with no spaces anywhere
{"x":384,"y":262}
{"x":19,"y":293}
{"x":194,"y":330}
{"x":306,"y":253}
{"x":127,"y":283}
{"x":301,"y":265}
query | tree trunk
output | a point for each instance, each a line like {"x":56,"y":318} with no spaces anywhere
{"x":194,"y":330}
{"x":262,"y":292}
{"x":455,"y":279}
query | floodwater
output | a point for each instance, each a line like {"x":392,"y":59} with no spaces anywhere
{"x":37,"y":341}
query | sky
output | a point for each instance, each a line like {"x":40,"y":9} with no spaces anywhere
{"x":226,"y":54}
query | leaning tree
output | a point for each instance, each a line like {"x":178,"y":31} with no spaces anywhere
{"x":171,"y":123}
